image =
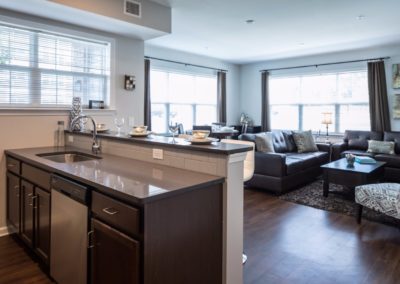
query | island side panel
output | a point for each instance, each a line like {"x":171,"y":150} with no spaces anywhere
{"x":184,"y":238}
{"x":233,"y":220}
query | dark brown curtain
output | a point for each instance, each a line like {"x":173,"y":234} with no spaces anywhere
{"x":221,"y":102}
{"x":265,"y":120}
{"x":147,"y":101}
{"x":378,"y":99}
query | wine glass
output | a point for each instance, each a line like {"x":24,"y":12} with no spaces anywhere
{"x":119,"y":122}
{"x":173,"y":127}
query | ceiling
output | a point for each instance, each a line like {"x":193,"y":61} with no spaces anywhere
{"x":281,"y":28}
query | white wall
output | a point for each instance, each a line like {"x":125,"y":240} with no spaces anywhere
{"x":250,"y":76}
{"x":232,"y":76}
{"x":22,"y":129}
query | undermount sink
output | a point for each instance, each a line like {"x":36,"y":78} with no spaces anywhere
{"x":68,"y":157}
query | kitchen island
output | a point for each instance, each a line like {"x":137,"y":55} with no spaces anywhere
{"x":131,"y":173}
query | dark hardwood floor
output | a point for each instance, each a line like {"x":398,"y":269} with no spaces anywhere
{"x":16,"y":266}
{"x":285,"y":243}
{"x":290,"y":243}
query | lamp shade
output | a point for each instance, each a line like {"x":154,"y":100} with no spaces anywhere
{"x":326,"y":118}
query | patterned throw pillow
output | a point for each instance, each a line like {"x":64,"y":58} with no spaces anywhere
{"x":304,"y":141}
{"x":380,"y":147}
{"x":264,"y":142}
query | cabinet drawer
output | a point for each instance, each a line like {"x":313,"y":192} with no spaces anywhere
{"x":37,"y":176}
{"x":13,"y":165}
{"x":115,"y":213}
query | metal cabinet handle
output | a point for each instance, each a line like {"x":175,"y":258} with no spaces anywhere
{"x":90,"y":233}
{"x":10,"y":165}
{"x":16,"y":186}
{"x":33,"y":200}
{"x":110,"y":211}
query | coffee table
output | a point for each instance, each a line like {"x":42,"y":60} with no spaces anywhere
{"x":338,"y":172}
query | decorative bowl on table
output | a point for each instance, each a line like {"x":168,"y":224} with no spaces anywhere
{"x":200,"y":134}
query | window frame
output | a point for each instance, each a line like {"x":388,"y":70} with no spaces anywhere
{"x":336,"y":113}
{"x":55,"y":28}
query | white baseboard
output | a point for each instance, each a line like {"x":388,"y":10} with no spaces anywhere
{"x":4,"y":231}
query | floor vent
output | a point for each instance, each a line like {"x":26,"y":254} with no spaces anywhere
{"x":133,"y":8}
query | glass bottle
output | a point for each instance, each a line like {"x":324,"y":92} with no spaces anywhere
{"x":60,"y":134}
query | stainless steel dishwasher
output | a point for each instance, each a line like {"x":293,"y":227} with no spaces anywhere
{"x":69,"y":231}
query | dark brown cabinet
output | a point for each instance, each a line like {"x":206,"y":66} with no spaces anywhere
{"x":42,"y":223}
{"x":28,"y":205}
{"x":27,"y":221}
{"x":115,"y":256}
{"x":13,"y":201}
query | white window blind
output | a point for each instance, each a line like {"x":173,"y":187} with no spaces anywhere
{"x":298,"y":102}
{"x":190,"y":99}
{"x":40,"y":69}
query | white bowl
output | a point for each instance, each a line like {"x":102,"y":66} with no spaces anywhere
{"x":200,"y":134}
{"x":139,"y":129}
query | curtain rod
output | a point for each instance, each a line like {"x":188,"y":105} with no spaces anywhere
{"x":324,"y":64}
{"x":186,"y":64}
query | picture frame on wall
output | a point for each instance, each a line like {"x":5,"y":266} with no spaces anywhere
{"x":396,"y":76}
{"x":396,"y":106}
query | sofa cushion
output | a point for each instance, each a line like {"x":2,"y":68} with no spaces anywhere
{"x":304,"y":141}
{"x":358,"y":140}
{"x":279,"y":142}
{"x":264,"y":142}
{"x":290,"y":144}
{"x":357,"y":153}
{"x":296,"y":162}
{"x":395,"y":137}
{"x":380,"y":147}
{"x":391,"y":160}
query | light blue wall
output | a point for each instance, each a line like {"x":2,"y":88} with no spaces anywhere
{"x":232,"y":76}
{"x":250,"y":77}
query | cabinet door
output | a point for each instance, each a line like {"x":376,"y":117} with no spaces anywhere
{"x":115,"y":256}
{"x":42,"y":218}
{"x":13,"y":201}
{"x":27,"y":221}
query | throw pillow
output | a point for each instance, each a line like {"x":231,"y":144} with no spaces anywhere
{"x":264,"y":142}
{"x":304,"y":141}
{"x":380,"y":147}
{"x":291,"y":145}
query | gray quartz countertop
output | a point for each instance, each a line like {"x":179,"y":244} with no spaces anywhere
{"x":215,"y":147}
{"x":127,"y":179}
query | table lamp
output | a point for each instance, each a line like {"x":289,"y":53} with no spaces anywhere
{"x":327,"y":119}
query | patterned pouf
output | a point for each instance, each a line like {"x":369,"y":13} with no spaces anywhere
{"x":382,"y":197}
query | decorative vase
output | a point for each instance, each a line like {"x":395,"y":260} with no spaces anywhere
{"x":76,"y":110}
{"x":350,"y":160}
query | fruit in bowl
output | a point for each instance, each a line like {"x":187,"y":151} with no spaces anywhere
{"x":139,"y":129}
{"x":200,"y":134}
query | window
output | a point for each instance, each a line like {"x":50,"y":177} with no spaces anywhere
{"x":40,"y":69}
{"x":185,"y":98}
{"x":298,"y":102}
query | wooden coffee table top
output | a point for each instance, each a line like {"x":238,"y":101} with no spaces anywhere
{"x":341,"y":165}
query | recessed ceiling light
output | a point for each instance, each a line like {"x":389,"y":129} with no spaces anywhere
{"x":250,"y":21}
{"x":360,"y":17}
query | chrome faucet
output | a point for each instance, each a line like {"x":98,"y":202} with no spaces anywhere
{"x":96,"y":147}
